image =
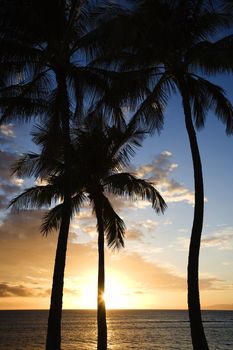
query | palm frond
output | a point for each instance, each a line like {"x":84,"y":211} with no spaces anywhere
{"x":149,"y":115}
{"x":206,"y":95}
{"x":127,"y":185}
{"x":52,"y":220}
{"x":94,"y":82}
{"x":21,"y":109}
{"x":212,"y":57}
{"x":107,"y":18}
{"x":107,"y":108}
{"x":35,"y":197}
{"x":41,"y":166}
{"x":77,"y":201}
{"x":49,"y":138}
{"x":123,"y":143}
{"x":114,"y":226}
{"x":27,"y":165}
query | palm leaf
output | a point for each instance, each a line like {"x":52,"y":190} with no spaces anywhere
{"x":127,"y":185}
{"x":52,"y":219}
{"x":114,"y":226}
{"x":205,"y":96}
{"x":149,"y":115}
{"x":35,"y":197}
{"x":27,"y":165}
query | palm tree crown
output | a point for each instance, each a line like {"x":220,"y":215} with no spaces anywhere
{"x":52,"y":81}
{"x":98,"y":157}
{"x":171,"y":46}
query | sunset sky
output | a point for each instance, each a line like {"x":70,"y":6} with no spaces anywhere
{"x":150,"y":272}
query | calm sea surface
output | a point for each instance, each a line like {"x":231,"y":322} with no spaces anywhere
{"x":127,"y":329}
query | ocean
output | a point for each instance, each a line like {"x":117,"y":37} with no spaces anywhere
{"x":127,"y":329}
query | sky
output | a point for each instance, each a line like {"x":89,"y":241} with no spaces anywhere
{"x":150,"y":272}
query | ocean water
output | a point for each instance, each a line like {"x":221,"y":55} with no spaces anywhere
{"x":127,"y":329}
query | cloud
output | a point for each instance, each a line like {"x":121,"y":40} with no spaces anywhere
{"x":183,"y":243}
{"x":6,"y":161}
{"x":24,"y":252}
{"x":71,"y":292}
{"x":8,"y":188}
{"x":3,"y":202}
{"x":6,"y":134}
{"x":8,"y":184}
{"x":153,"y":276}
{"x":159,"y":172}
{"x":148,"y":224}
{"x":133,"y":234}
{"x":7,"y":290}
{"x":22,"y":225}
{"x":90,"y":230}
{"x":227,"y":263}
{"x":7,"y":130}
{"x":120,"y":203}
{"x":84,"y":214}
{"x":17,"y":181}
{"x":222,"y":239}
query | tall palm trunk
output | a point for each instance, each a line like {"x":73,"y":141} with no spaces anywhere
{"x":197,"y":331}
{"x":101,"y":311}
{"x":53,"y":341}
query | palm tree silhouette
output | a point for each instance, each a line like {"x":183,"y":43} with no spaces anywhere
{"x":52,"y":85}
{"x":98,"y":158}
{"x":170,"y":47}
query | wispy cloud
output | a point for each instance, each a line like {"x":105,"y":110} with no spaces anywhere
{"x":134,"y":234}
{"x":7,"y":130}
{"x":3,"y":202}
{"x":222,"y":239}
{"x":22,"y":249}
{"x":159,"y":276}
{"x":159,"y":172}
{"x":7,"y":135}
{"x":10,"y":290}
{"x":8,"y":185}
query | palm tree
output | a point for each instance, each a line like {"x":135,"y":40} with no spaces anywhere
{"x":52,"y":85}
{"x":186,"y":47}
{"x":98,"y":157}
{"x":170,"y":47}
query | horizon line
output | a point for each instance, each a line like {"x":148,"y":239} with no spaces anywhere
{"x":128,"y":309}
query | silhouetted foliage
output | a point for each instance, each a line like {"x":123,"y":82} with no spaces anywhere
{"x":99,"y":155}
{"x":174,"y":46}
{"x":51,"y":80}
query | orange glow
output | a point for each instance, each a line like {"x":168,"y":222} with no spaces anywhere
{"x":115,"y":295}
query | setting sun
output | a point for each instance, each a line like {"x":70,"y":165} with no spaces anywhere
{"x":115,"y":296}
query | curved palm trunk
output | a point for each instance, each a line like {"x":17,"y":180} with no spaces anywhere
{"x":101,"y":311}
{"x":197,"y":331}
{"x":53,"y":341}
